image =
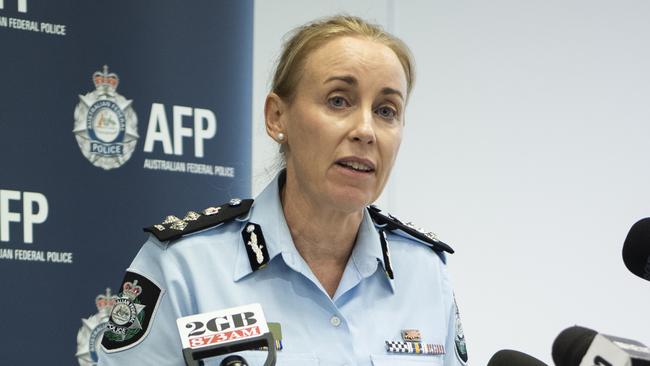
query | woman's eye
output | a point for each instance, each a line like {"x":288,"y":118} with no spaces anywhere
{"x":337,"y":102}
{"x":386,"y":112}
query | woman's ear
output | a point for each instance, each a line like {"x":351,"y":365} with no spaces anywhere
{"x":274,"y":116}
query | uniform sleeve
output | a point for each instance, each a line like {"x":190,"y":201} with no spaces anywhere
{"x":141,"y":329}
{"x":456,"y":354}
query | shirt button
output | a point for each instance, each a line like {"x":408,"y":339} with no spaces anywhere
{"x":335,"y":321}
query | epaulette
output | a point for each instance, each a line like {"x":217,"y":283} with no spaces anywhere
{"x":173,"y":228}
{"x":391,"y":223}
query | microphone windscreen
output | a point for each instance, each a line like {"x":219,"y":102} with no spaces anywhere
{"x":636,"y":249}
{"x":233,"y":360}
{"x":508,"y":357}
{"x":571,"y":345}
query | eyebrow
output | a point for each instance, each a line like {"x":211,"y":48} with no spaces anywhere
{"x":386,"y":91}
{"x":353,"y":81}
{"x":345,"y":78}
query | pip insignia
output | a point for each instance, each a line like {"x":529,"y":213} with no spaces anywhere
{"x":211,"y":211}
{"x":191,"y":216}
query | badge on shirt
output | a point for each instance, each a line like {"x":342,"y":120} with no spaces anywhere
{"x":132,"y":313}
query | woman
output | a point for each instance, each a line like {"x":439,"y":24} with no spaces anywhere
{"x":346,"y":283}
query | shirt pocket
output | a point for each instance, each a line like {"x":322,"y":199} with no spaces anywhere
{"x":406,"y":360}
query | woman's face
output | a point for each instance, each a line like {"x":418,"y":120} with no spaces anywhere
{"x":344,"y":125}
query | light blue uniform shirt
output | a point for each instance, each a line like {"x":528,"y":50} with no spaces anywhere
{"x":210,"y":270}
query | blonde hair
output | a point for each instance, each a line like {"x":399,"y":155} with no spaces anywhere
{"x":304,"y":40}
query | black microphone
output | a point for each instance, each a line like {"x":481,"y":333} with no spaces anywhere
{"x":636,"y":250}
{"x":579,"y":346}
{"x":508,"y":357}
{"x":233,"y":361}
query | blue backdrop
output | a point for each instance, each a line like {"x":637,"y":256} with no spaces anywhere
{"x":113,"y":114}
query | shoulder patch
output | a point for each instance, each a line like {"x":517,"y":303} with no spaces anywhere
{"x":459,"y":338}
{"x":131,"y":316}
{"x":391,"y":223}
{"x":173,"y":228}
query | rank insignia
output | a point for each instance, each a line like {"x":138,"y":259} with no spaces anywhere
{"x":409,"y":230}
{"x":170,"y":219}
{"x":411,"y":335}
{"x":173,"y":228}
{"x":179,"y":225}
{"x":191,"y":216}
{"x":211,"y":211}
{"x":258,"y":255}
{"x":235,"y":202}
{"x":132,"y":312}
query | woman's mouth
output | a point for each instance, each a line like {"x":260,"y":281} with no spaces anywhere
{"x":356,"y":164}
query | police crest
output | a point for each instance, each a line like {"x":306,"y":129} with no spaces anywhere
{"x":105,"y":124}
{"x":92,"y":329}
{"x":131,"y":315}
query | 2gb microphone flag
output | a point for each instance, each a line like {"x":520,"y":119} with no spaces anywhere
{"x":113,"y":115}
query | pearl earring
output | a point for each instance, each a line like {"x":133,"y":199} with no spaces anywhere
{"x":280,"y":136}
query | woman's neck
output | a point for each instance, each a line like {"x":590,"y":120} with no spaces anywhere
{"x":323,"y":235}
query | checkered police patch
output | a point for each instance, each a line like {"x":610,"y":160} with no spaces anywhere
{"x":132,"y":313}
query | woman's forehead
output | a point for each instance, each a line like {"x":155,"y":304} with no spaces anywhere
{"x":352,"y":57}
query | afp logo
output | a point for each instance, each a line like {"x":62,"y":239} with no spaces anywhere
{"x":22,"y":5}
{"x":105,"y":124}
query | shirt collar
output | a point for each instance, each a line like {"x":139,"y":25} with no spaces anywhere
{"x":367,"y":255}
{"x":268,"y":213}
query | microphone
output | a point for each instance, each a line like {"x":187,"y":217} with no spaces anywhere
{"x":508,"y":357}
{"x":636,"y":250}
{"x":233,"y":361}
{"x":226,"y":331}
{"x":579,"y":346}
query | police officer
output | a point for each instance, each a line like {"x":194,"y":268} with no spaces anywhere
{"x":346,"y":283}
